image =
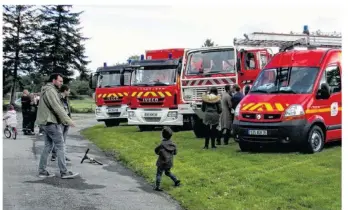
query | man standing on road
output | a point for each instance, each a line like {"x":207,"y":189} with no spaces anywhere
{"x":25,"y":100}
{"x":50,"y":116}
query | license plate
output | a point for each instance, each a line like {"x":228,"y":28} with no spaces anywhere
{"x":258,"y":132}
{"x":150,"y":114}
{"x":111,"y":110}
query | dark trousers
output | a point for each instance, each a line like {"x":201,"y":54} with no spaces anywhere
{"x":166,"y":172}
{"x":26,"y":120}
{"x":225,"y":135}
{"x":211,"y":133}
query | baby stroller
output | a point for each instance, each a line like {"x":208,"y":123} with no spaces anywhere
{"x":9,"y":131}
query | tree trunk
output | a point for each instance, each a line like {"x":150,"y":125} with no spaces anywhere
{"x":16,"y":64}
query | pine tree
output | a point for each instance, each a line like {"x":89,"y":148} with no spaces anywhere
{"x":208,"y":43}
{"x":19,"y":27}
{"x":61,"y":49}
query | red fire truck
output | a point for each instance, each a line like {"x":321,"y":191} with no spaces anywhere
{"x":216,"y":67}
{"x":296,"y":99}
{"x":111,"y":85}
{"x":155,"y":91}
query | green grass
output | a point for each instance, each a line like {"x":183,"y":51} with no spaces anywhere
{"x":229,"y":179}
{"x":86,"y":105}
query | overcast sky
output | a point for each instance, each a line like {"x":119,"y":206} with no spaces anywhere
{"x":118,"y":32}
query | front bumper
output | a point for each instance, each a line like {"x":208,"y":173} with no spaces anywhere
{"x":294,"y":131}
{"x":160,"y":117}
{"x":103,"y":113}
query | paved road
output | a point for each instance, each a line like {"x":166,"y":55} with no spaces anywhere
{"x":99,"y":187}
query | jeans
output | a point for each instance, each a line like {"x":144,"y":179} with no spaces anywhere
{"x":166,"y":172}
{"x":65,"y":129}
{"x":53,"y":135}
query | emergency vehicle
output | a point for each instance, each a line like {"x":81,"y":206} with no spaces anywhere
{"x":216,"y":67}
{"x":155,"y":90}
{"x":296,"y":99}
{"x":111,"y":85}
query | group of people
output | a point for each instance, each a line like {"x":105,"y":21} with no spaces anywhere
{"x":29,"y":101}
{"x":219,"y":114}
{"x":50,"y":110}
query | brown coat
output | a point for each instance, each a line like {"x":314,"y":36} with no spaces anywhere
{"x":226,"y":116}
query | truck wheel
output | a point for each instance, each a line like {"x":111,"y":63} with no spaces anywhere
{"x":315,"y":140}
{"x":145,"y":128}
{"x":198,"y":127}
{"x":111,"y":123}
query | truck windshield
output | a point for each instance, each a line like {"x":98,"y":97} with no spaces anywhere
{"x":289,"y":80}
{"x":112,"y":79}
{"x":217,"y":61}
{"x":153,"y":77}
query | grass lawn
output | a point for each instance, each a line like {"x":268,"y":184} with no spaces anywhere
{"x":85,"y":104}
{"x":229,"y":179}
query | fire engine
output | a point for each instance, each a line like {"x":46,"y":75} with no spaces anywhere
{"x":155,"y":90}
{"x":296,"y":99}
{"x":111,"y":85}
{"x":216,"y":67}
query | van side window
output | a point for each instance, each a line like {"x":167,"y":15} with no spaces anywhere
{"x":333,"y":78}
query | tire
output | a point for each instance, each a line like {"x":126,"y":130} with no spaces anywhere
{"x":198,"y":127}
{"x":111,"y":123}
{"x":7,"y":133}
{"x":315,"y":140}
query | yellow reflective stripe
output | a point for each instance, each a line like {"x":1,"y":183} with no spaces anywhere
{"x":161,"y":94}
{"x":133,"y":94}
{"x":140,"y":94}
{"x":247,"y":106}
{"x":100,"y":95}
{"x":120,"y":94}
{"x":168,"y":93}
{"x":124,"y":93}
{"x":279,"y":107}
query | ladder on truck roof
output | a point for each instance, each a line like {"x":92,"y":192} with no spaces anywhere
{"x":288,"y":41}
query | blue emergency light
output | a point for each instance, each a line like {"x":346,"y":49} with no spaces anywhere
{"x":105,"y":65}
{"x":306,"y":29}
{"x":141,"y":57}
{"x":170,"y":56}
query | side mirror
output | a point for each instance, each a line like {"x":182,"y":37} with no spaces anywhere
{"x":323,"y":91}
{"x":247,"y":89}
{"x":93,"y":81}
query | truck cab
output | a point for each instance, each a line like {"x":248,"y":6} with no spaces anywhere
{"x":216,"y":67}
{"x":111,"y":85}
{"x":296,"y":99}
{"x":155,"y":94}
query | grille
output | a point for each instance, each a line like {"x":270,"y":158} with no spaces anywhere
{"x":115,"y":114}
{"x":152,"y":119}
{"x":266,"y":116}
{"x":198,"y":91}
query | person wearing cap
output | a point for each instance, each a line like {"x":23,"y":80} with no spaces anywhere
{"x":165,"y":151}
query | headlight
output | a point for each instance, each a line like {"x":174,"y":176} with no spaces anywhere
{"x":188,"y":94}
{"x":130,"y":114}
{"x":97,"y":110}
{"x":172,"y":114}
{"x":294,"y":110}
{"x":236,"y":110}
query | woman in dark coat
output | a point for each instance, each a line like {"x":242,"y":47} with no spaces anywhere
{"x":212,"y":108}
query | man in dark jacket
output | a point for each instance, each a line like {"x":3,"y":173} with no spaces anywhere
{"x":236,"y":98}
{"x":25,"y":100}
{"x":165,"y":151}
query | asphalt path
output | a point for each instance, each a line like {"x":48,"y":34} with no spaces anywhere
{"x":110,"y":186}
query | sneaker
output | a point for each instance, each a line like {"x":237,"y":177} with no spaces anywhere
{"x":158,"y":189}
{"x":67,"y":159}
{"x":68,"y":175}
{"x":53,"y":158}
{"x":45,"y":174}
{"x":177,"y":183}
